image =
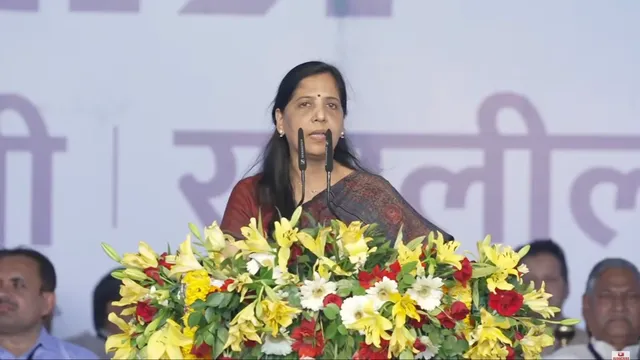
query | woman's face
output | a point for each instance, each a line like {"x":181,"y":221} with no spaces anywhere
{"x":315,"y":107}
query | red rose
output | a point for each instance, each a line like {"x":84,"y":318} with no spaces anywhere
{"x":418,"y":345}
{"x":417,"y":324}
{"x":393,"y":214}
{"x":145,"y":311}
{"x":459,"y":310}
{"x":519,"y":336}
{"x":296,"y":251}
{"x":163,"y":261}
{"x":446,"y":320}
{"x":250,"y":343}
{"x":203,"y":351}
{"x":395,"y":269}
{"x":329,"y":249}
{"x":332,"y":299}
{"x":226,"y":284}
{"x":154,"y":273}
{"x":464,"y":274}
{"x":506,"y":302}
{"x":511,"y":355}
{"x":309,"y":342}
{"x":370,"y":352}
{"x":368,"y":279}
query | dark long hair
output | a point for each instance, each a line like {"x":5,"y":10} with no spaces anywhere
{"x":274,"y":187}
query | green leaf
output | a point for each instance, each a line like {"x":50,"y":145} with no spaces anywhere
{"x":303,"y":259}
{"x":210,"y":339}
{"x":331,"y":330}
{"x":409,"y":267}
{"x":343,"y":292}
{"x":358,"y":291}
{"x":271,"y":294}
{"x":482,"y":270}
{"x":215,"y":299}
{"x":475,"y":294}
{"x":195,"y":318}
{"x":406,"y":355}
{"x":226,"y":299}
{"x":342,"y":329}
{"x":221,"y":338}
{"x":569,"y":322}
{"x":209,"y":315}
{"x":331,"y":311}
{"x":195,"y":231}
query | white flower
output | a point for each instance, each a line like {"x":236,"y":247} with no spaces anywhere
{"x":217,"y":283}
{"x":381,"y":291}
{"x":313,"y":292}
{"x":282,"y":294}
{"x":431,"y":351}
{"x":259,"y":260}
{"x":280,"y":345}
{"x":353,"y":309}
{"x":427,"y":292}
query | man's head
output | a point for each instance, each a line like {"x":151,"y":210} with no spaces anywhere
{"x":27,"y":286}
{"x":611,"y":302}
{"x":106,"y":292}
{"x":546,"y":262}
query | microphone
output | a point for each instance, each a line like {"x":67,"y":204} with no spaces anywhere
{"x":302,"y":163}
{"x":328,"y":166}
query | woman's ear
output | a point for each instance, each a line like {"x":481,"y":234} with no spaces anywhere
{"x":279,"y":121}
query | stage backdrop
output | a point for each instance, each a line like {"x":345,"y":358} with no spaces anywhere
{"x":123,"y":120}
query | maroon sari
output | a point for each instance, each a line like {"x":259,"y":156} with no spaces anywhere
{"x":359,"y":196}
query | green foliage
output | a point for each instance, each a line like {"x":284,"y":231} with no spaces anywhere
{"x":331,"y":311}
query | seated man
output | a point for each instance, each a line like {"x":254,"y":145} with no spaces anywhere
{"x":547,"y":263}
{"x":106,"y":292}
{"x":611,"y":308}
{"x":27,"y":296}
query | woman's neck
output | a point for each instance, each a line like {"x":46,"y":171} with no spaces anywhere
{"x":315,"y":176}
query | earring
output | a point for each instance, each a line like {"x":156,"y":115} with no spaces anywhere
{"x":281,"y":133}
{"x":342,"y":134}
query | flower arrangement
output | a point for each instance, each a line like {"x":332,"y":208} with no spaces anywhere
{"x":335,"y":292}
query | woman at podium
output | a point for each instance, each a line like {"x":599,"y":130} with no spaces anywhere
{"x":304,"y":164}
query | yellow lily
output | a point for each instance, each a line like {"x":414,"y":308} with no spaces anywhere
{"x":446,"y":251}
{"x":166,"y":342}
{"x":535,"y":341}
{"x":401,"y":339}
{"x":286,"y":234}
{"x":255,"y":241}
{"x":145,"y":258}
{"x":121,"y":343}
{"x":185,"y":260}
{"x":214,"y":239}
{"x":373,"y":325}
{"x":130,"y":292}
{"x":487,"y":340}
{"x":324,"y":266}
{"x":505,"y":260}
{"x":278,"y":314}
{"x":406,"y":255}
{"x":239,"y":333}
{"x":538,"y":301}
{"x":351,"y":239}
{"x":239,"y":285}
{"x":317,"y":245}
{"x":404,"y":306}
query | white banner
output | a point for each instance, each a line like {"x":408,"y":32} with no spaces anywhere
{"x":123,"y":122}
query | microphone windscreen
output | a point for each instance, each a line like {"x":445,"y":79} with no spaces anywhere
{"x":302,"y":152}
{"x":329,"y":151}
